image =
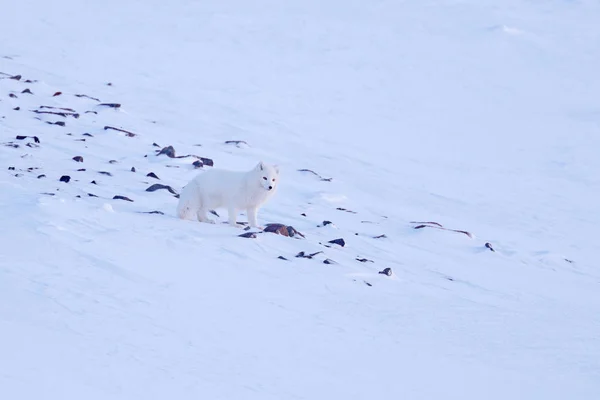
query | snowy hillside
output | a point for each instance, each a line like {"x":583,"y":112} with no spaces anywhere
{"x":454,"y":144}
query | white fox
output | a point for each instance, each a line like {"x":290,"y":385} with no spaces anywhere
{"x":234,"y":190}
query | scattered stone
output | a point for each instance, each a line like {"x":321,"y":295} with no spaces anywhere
{"x":158,"y":186}
{"x":303,"y":214}
{"x":152,"y":175}
{"x":78,"y":196}
{"x":91,"y":195}
{"x":346,"y":210}
{"x":328,"y":261}
{"x":386,"y":271}
{"x":105,"y":173}
{"x":80,"y":140}
{"x":119,"y":197}
{"x":132,"y":169}
{"x":41,"y":176}
{"x":49,"y":194}
{"x":127,"y":133}
{"x":325,"y":223}
{"x":282,"y":258}
{"x":153,"y":212}
{"x":168,"y":151}
{"x":92,"y":112}
{"x":438,"y":226}
{"x":56,"y":94}
{"x":489,"y":246}
{"x":93,"y":182}
{"x":14,"y":96}
{"x":65,"y":178}
{"x":250,"y":235}
{"x":88,"y":134}
{"x":16,"y":108}
{"x":33,"y":145}
{"x":27,"y":91}
{"x":238,"y":143}
{"x":380,"y":237}
{"x":367,"y":283}
{"x":81,"y":170}
{"x":113,"y":162}
{"x":78,"y":158}
{"x":11,"y":168}
{"x":86,"y":96}
{"x":363,"y":260}
{"x":59,"y":113}
{"x":304,"y":255}
{"x":58,"y":108}
{"x":155,"y":145}
{"x":197,"y":164}
{"x":59,"y":123}
{"x":15,"y":77}
{"x":339,"y":242}
{"x":111,"y":105}
{"x":314,"y":173}
{"x":283,"y":230}
{"x":213,"y":212}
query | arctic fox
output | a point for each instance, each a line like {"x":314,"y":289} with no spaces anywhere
{"x":233,"y":190}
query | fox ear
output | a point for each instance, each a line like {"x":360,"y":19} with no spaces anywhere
{"x":276,"y":168}
{"x":260,"y":166}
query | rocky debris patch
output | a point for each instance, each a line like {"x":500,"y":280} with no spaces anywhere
{"x":364,"y":260}
{"x":26,"y":91}
{"x":110,"y":105}
{"x":169,"y":151}
{"x":35,"y":138}
{"x":282,"y":258}
{"x":152,"y":175}
{"x":119,"y":197}
{"x":325,"y":223}
{"x":386,"y":271}
{"x":346,"y":210}
{"x":435,"y":225}
{"x":78,"y":158}
{"x":488,"y":245}
{"x":283,"y":230}
{"x":59,"y":123}
{"x":340,"y":242}
{"x":380,"y":236}
{"x":105,"y":173}
{"x":87,"y":97}
{"x":62,"y":113}
{"x":158,"y":186}
{"x":249,"y":235}
{"x":328,"y":261}
{"x":317,"y":175}
{"x":152,"y":212}
{"x":65,"y":178}
{"x":304,"y":255}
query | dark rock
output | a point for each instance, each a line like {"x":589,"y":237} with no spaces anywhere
{"x":56,"y":94}
{"x":92,"y":195}
{"x":364,"y":260}
{"x":328,"y":261}
{"x":236,"y":142}
{"x":282,"y":258}
{"x":303,"y":214}
{"x":78,"y":196}
{"x":168,"y":151}
{"x":380,"y":237}
{"x":118,"y":197}
{"x":127,"y":133}
{"x":11,"y":168}
{"x":346,"y":210}
{"x":78,"y":158}
{"x":158,"y":186}
{"x":207,"y":161}
{"x":88,"y":134}
{"x":281,"y":229}
{"x":153,"y":212}
{"x":59,"y":123}
{"x":155,"y":145}
{"x":340,"y":242}
{"x":367,"y":283}
{"x":304,"y":255}
{"x":152,"y":175}
{"x":111,"y":105}
{"x":489,"y":246}
{"x":386,"y":271}
{"x":93,"y":182}
{"x":92,"y":112}
{"x":251,"y":235}
{"x":105,"y":173}
{"x":16,"y":108}
{"x":86,"y":96}
{"x":36,"y":139}
{"x":15,"y":77}
{"x":81,"y":170}
{"x":132,"y":169}
{"x":27,"y":91}
{"x":49,"y":194}
{"x":65,"y":178}
{"x":41,"y":176}
{"x":213,"y":212}
{"x":14,"y":96}
{"x":112,"y":161}
{"x":19,"y":137}
{"x":197,"y":164}
{"x":314,"y":173}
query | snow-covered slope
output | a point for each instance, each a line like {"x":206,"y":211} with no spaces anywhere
{"x":481,"y":116}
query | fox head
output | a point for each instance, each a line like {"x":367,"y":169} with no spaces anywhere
{"x":268,"y":175}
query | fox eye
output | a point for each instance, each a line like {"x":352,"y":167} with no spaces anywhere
{"x":265,"y":178}
{"x":273,"y":179}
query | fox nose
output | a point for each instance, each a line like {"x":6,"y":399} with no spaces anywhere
{"x":270,"y":187}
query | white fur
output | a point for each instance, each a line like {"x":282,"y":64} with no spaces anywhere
{"x":218,"y":188}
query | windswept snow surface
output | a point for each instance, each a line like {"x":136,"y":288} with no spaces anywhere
{"x":482,"y":116}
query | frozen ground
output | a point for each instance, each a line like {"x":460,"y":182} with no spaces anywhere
{"x":482,"y":116}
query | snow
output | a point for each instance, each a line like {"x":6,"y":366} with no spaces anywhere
{"x":482,"y":116}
